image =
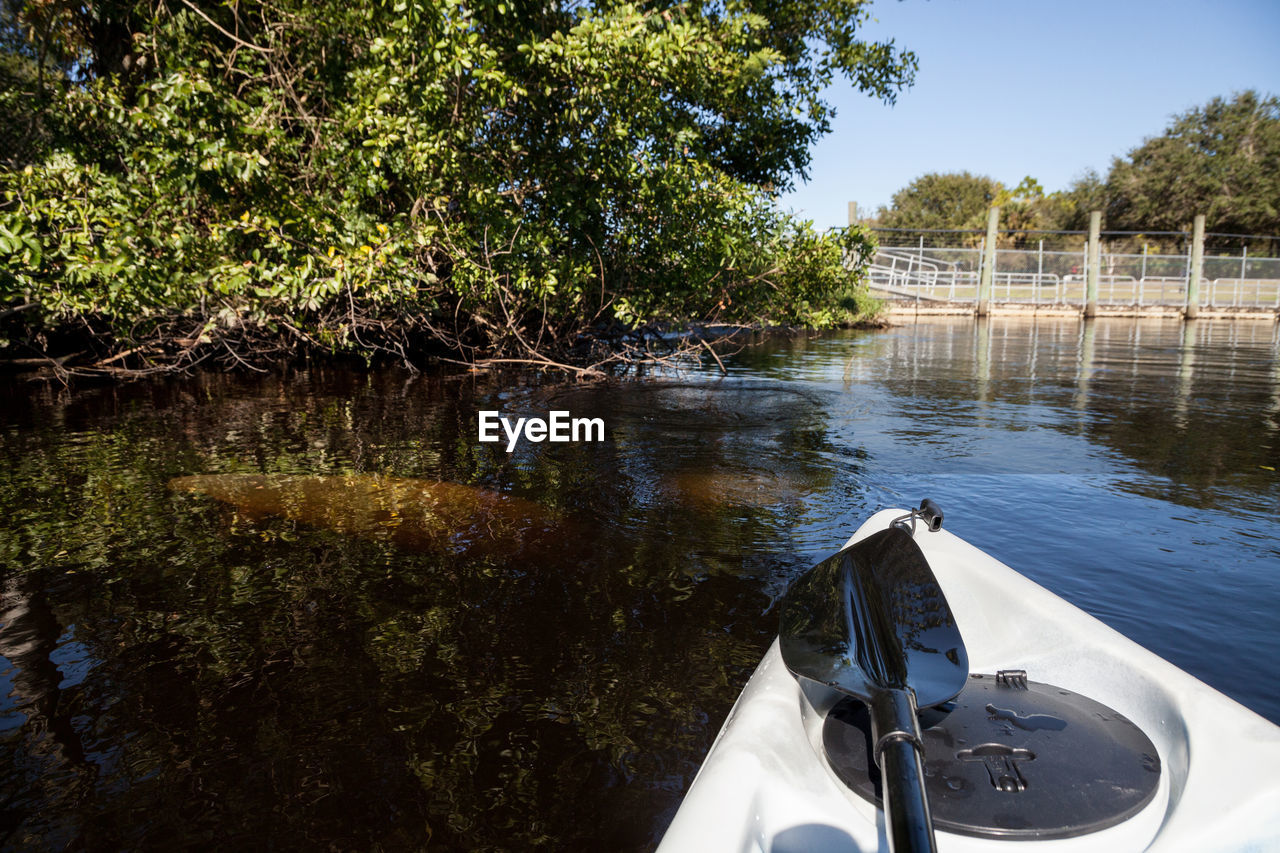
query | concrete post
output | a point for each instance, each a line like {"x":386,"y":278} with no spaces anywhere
{"x":988,"y":262}
{"x":853,"y":213}
{"x":1093,"y":266}
{"x":1197,"y":267}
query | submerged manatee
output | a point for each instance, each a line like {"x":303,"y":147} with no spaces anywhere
{"x":710,"y":490}
{"x":415,"y":514}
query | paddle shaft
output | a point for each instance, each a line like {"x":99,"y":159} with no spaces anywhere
{"x":896,"y":732}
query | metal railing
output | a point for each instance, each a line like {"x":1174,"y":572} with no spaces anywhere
{"x":1039,"y":277}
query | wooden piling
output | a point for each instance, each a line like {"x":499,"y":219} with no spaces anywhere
{"x":1197,"y":267}
{"x":988,"y":262}
{"x":1093,"y":266}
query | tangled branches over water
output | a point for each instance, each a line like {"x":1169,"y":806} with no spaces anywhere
{"x":242,"y":183}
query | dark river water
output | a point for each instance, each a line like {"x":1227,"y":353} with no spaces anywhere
{"x":315,"y":612}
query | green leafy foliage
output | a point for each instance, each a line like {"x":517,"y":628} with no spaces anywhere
{"x":1069,"y":209}
{"x":1222,"y":160}
{"x":496,"y":177}
{"x":960,"y":200}
{"x":942,"y":200}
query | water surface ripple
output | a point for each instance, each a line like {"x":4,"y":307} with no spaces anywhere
{"x":243,"y":611}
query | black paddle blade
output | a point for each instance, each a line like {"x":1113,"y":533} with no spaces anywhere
{"x":873,"y":617}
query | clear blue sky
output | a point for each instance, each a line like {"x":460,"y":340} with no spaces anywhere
{"x":1047,"y":89}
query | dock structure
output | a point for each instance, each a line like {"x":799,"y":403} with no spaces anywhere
{"x":1104,"y":274}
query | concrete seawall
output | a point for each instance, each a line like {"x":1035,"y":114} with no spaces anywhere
{"x":903,"y":311}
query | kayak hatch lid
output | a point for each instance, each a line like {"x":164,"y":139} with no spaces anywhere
{"x":1011,"y":758}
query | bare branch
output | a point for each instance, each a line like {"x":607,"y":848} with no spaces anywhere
{"x":229,"y":35}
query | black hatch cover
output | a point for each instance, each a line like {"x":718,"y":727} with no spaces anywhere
{"x":1015,"y":759}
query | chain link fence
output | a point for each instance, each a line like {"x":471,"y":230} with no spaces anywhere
{"x":946,"y":266}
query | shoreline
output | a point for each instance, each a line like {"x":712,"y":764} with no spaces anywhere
{"x":75,"y":364}
{"x":901,"y":311}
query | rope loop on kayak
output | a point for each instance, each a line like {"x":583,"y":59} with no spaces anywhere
{"x":928,"y":512}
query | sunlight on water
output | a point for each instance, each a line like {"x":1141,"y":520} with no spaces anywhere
{"x":316,"y":611}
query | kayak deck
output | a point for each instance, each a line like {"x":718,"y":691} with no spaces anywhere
{"x":766,"y":784}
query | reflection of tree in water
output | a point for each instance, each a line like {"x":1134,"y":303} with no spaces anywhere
{"x":266,"y":681}
{"x":1197,"y":405}
{"x":29,"y":634}
{"x":47,"y":766}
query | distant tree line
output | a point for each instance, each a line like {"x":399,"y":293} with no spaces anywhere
{"x":490,"y":179}
{"x":1221,"y":160}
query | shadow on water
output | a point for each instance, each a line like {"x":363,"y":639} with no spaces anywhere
{"x":317,"y":612}
{"x":350,"y":624}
